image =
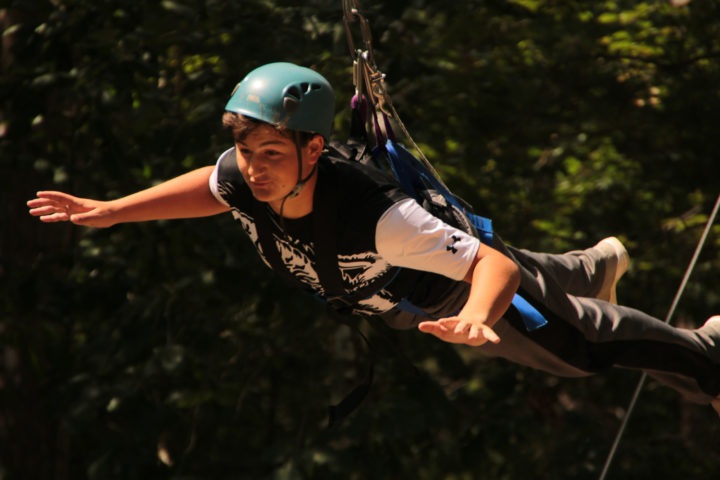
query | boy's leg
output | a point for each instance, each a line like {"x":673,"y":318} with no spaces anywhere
{"x":592,"y":272}
{"x":584,"y":336}
{"x":591,"y":336}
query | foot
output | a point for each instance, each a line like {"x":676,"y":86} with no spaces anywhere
{"x":711,"y":335}
{"x":713,"y":324}
{"x":617,"y":261}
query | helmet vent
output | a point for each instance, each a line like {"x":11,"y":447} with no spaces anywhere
{"x":293,"y":92}
{"x":290,"y":104}
{"x":291,"y":101}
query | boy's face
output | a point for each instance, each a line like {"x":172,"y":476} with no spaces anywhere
{"x":268,"y":162}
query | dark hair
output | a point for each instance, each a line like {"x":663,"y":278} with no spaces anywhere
{"x":241,"y":126}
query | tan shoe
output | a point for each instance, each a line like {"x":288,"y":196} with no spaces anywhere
{"x":713,"y":324}
{"x":711,"y":328}
{"x":617,"y":261}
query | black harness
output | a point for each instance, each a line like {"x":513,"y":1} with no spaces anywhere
{"x":417,"y":182}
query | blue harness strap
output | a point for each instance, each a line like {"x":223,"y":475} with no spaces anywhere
{"x":531,"y":317}
{"x":415,"y":177}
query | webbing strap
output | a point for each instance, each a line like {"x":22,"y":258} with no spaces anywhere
{"x":339,"y":411}
{"x":325,"y":218}
{"x":414,"y":177}
{"x":325,"y":213}
{"x":531,"y":317}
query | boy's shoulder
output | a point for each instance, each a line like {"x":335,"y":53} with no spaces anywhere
{"x":362,"y":189}
{"x":227,"y":180}
{"x":354,"y":169}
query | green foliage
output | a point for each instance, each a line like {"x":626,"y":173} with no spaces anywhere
{"x":166,"y":350}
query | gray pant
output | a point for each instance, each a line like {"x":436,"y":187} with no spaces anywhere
{"x":585,"y":335}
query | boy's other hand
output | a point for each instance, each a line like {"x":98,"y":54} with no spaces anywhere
{"x":61,"y":207}
{"x":460,"y":330}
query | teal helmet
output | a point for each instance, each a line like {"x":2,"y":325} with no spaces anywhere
{"x":286,"y":95}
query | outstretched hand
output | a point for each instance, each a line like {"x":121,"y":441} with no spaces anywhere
{"x":460,"y":330}
{"x":61,"y":207}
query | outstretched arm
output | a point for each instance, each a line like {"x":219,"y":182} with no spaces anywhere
{"x":186,"y":196}
{"x":494,"y":279}
{"x":408,"y":236}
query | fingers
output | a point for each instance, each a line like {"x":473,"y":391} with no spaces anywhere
{"x":459,"y":331}
{"x":46,"y":202}
{"x":475,"y":333}
{"x":460,"y":327}
{"x":42,"y":202}
{"x":55,"y":217}
{"x":490,"y":335}
{"x":435,"y":328}
{"x":41,"y":210}
{"x":59,"y":207}
{"x":48,"y":210}
{"x":59,"y":197}
{"x":50,"y":214}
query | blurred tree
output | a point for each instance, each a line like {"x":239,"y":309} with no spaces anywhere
{"x":165,"y":350}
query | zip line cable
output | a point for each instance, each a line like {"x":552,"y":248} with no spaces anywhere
{"x":671,"y":312}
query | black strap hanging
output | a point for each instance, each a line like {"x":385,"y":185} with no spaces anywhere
{"x":351,"y":401}
{"x":325,"y":218}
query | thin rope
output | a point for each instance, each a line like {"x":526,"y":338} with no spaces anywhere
{"x":669,"y":316}
{"x":367,"y":76}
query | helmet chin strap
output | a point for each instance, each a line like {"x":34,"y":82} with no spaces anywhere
{"x":300,"y":184}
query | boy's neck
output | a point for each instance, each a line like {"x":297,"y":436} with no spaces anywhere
{"x":299,"y":206}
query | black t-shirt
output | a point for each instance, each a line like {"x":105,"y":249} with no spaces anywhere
{"x":362,"y":195}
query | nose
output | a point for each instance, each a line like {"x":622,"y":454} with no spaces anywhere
{"x":255,"y":165}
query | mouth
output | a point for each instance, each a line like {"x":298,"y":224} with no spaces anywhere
{"x":259,"y":183}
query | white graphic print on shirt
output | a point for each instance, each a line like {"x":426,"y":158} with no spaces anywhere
{"x":358,"y":270}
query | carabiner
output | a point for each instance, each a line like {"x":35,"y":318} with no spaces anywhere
{"x":351,"y":12}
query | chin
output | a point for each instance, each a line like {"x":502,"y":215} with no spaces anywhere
{"x":265,"y":196}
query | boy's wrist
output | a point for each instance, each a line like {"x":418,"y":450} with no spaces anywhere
{"x":113,"y":211}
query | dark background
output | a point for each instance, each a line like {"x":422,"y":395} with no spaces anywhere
{"x":166,"y":349}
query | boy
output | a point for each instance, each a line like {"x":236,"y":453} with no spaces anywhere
{"x":347,"y":233}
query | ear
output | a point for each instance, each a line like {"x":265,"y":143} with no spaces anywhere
{"x":314,"y":148}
